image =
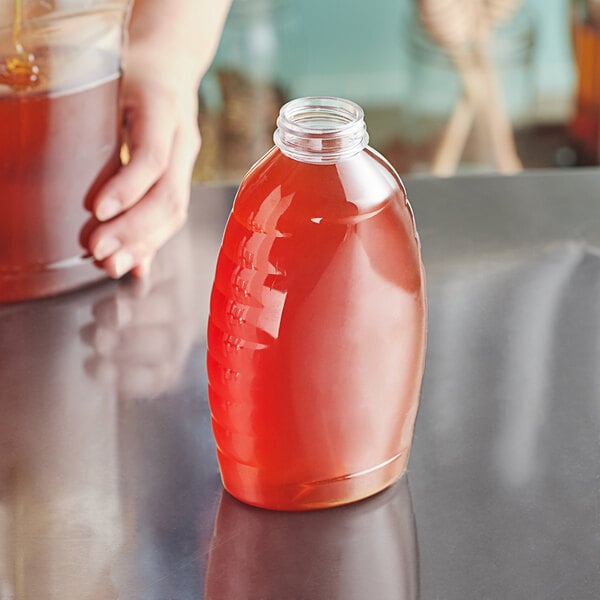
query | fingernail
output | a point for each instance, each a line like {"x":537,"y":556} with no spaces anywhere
{"x":105,"y":247}
{"x":143,"y":268}
{"x":108,"y":208}
{"x":123,"y":263}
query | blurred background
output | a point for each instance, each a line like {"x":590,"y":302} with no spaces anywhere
{"x":386,"y":56}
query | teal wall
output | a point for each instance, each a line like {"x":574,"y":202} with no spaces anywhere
{"x":357,"y":48}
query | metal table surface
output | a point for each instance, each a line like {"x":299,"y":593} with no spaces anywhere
{"x":109,"y":486}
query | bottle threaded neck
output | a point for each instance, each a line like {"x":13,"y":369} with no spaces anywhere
{"x":321,"y":129}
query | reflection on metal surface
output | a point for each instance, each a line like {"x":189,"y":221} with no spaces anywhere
{"x":98,"y":436}
{"x":510,"y":305}
{"x":140,"y":333}
{"x":506,"y":459}
{"x":363,"y":550}
{"x":541,"y":286}
{"x":7,"y":567}
{"x":107,"y":493}
{"x":59,"y":494}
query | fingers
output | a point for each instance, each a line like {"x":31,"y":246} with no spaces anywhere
{"x":133,"y":238}
{"x":129,"y":241}
{"x":146,"y":202}
{"x":142,"y":269}
{"x":151,"y":128}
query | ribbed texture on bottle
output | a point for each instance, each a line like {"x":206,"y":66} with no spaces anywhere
{"x":321,"y":129}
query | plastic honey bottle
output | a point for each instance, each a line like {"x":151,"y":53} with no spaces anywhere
{"x":317,"y":328}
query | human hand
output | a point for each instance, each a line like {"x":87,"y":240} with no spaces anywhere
{"x":146,"y":202}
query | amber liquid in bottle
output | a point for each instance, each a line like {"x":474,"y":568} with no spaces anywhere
{"x":316,"y":335}
{"x":60,"y":142}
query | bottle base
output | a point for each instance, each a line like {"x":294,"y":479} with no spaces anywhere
{"x":243,"y":483}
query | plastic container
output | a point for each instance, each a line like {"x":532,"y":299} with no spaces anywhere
{"x":60,"y":67}
{"x":317,"y":326}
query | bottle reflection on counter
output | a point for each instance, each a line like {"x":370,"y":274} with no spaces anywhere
{"x":353,"y":552}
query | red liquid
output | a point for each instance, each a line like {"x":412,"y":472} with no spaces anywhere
{"x":316,"y":336}
{"x":56,"y":149}
{"x":584,"y":128}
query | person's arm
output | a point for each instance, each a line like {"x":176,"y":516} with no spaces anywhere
{"x":171,"y":46}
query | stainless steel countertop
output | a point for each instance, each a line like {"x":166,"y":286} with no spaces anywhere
{"x":109,"y":486}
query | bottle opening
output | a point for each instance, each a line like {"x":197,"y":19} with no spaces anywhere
{"x":321,"y":129}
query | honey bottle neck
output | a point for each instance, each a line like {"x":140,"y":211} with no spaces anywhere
{"x":321,"y":129}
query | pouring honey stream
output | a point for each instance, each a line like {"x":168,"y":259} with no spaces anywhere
{"x":19,"y":70}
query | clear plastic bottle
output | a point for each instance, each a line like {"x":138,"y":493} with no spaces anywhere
{"x":60,"y":138}
{"x":317,"y":327}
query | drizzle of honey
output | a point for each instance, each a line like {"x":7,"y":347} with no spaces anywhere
{"x":19,"y":70}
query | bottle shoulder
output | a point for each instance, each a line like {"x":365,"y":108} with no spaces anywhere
{"x":352,"y":188}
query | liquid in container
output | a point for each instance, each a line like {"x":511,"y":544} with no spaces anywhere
{"x":60,"y":69}
{"x":317,"y":327}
